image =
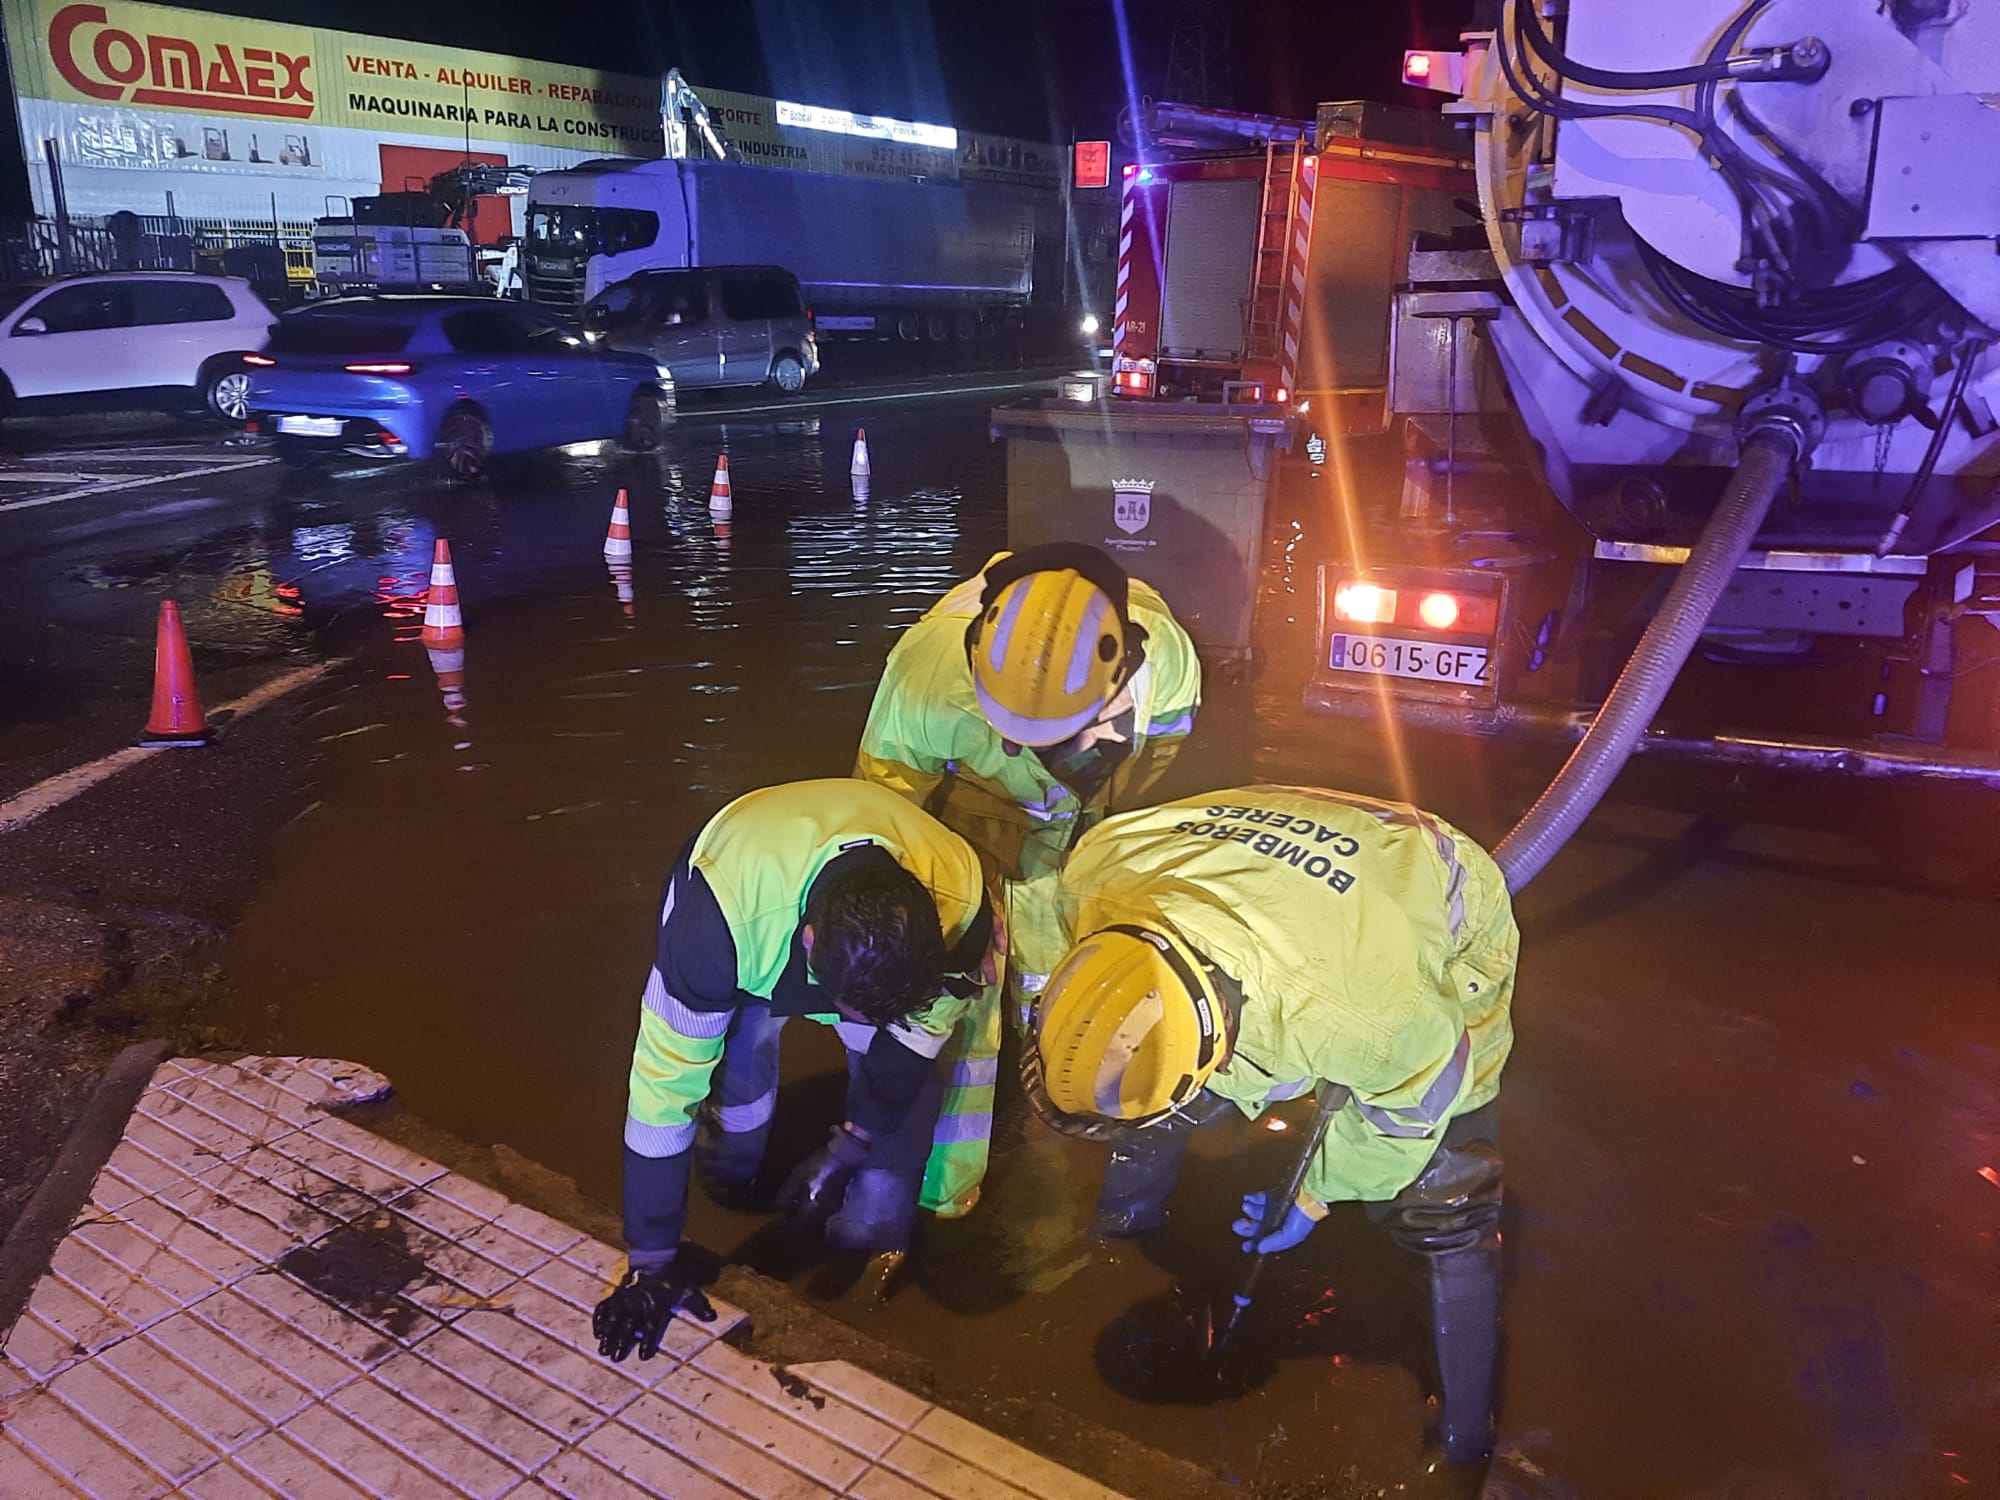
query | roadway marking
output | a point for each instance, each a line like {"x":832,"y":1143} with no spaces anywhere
{"x":774,"y":409}
{"x":112,"y":485}
{"x":24,"y":807}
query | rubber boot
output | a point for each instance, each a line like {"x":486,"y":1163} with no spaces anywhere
{"x":1465,"y":1331}
{"x":878,"y":1213}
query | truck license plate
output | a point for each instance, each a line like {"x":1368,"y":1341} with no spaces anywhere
{"x":1388,"y":656}
{"x":312,"y":426}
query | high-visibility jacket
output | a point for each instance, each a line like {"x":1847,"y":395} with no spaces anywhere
{"x":730,"y":934}
{"x":1375,"y":947}
{"x":927,"y":740}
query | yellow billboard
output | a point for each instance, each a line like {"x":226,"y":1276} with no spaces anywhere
{"x":115,"y":54}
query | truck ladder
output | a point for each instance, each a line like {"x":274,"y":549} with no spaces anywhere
{"x":1263,"y":331}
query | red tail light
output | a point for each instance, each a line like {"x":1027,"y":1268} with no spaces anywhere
{"x":261,"y":361}
{"x":1138,"y":382}
{"x":385,"y":367}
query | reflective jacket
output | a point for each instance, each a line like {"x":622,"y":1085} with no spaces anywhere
{"x":1375,"y":947}
{"x":730,"y":934}
{"x":927,"y":740}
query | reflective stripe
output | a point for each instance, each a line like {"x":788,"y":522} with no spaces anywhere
{"x":975,"y":1072}
{"x":923,"y":1043}
{"x":1083,"y":651}
{"x":1422,"y":1118}
{"x":1455,"y":888}
{"x":702,"y":1025}
{"x":735,"y":1118}
{"x":1290,"y":1090}
{"x":854,"y":1036}
{"x":658,"y":1140}
{"x":1179,"y":724}
{"x":1003,"y":630}
{"x":957,"y":1129}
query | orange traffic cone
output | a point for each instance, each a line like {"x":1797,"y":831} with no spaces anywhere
{"x":443,"y":625}
{"x":618,"y":540}
{"x":721,"y":535}
{"x":177,"y":717}
{"x":860,"y":463}
{"x":719,"y":503}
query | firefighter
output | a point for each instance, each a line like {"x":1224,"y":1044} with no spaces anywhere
{"x":1243,"y":947}
{"x":1029,"y":701}
{"x":816,"y":898}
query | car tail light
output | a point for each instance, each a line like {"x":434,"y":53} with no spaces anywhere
{"x":1438,"y":610}
{"x":383,"y":367}
{"x":1364,"y":603}
{"x":1135,"y":382}
{"x":261,"y":361}
{"x":1281,"y":395}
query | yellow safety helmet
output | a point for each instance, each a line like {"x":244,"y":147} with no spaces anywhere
{"x":1129,"y":1026}
{"x":1049,"y":649}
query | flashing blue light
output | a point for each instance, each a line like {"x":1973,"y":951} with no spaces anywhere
{"x":1145,"y":174}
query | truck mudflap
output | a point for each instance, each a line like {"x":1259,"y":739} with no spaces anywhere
{"x":1901,"y":760}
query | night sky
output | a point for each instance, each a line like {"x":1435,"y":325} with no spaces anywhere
{"x":1034,"y":68}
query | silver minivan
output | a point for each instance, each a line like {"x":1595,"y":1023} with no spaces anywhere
{"x":712,"y":325}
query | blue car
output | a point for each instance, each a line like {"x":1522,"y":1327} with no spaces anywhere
{"x":457,"y":380}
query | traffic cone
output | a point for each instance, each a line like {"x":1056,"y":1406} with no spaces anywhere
{"x":177,"y":717}
{"x":443,"y":625}
{"x":860,"y":483}
{"x":719,"y":503}
{"x":721,"y":534}
{"x":860,"y":463}
{"x":618,"y":540}
{"x":449,"y":665}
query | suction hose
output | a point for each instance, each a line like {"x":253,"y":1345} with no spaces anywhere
{"x":1775,"y":438}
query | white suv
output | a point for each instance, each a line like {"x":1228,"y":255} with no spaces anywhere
{"x":130,"y":338}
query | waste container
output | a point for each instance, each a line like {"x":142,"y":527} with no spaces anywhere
{"x":1175,"y":492}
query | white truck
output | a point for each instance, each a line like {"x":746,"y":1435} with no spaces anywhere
{"x":1707,"y":394}
{"x":875,"y":255}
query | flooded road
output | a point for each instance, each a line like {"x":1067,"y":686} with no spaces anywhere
{"x":1751,"y":1252}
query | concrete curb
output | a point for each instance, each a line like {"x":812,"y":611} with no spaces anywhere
{"x":25,"y":1253}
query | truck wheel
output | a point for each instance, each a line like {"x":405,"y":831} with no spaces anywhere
{"x":464,"y":446}
{"x":225,"y":391}
{"x":787,"y":374}
{"x":645,"y":420}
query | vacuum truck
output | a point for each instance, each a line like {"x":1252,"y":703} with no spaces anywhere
{"x":1694,"y":414}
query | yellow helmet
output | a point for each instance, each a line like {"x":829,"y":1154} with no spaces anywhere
{"x":1048,"y":652}
{"x":1129,"y":1025}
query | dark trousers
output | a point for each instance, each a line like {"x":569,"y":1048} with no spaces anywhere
{"x":1450,"y":1215}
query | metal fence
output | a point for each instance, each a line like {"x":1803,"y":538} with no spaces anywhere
{"x":275,"y":255}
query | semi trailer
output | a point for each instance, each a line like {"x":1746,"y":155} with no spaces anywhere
{"x":876,"y":256}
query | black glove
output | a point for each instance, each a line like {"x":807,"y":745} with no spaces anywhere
{"x":636,"y":1313}
{"x":818,"y":1184}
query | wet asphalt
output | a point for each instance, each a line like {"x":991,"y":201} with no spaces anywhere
{"x":1751,"y":1252}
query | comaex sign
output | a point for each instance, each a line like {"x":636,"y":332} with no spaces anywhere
{"x":175,"y":72}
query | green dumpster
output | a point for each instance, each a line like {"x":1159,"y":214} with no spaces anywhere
{"x":1174,"y":491}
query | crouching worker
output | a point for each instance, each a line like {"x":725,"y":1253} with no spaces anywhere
{"x":1035,"y":697}
{"x":833,"y":899}
{"x":1244,"y":947}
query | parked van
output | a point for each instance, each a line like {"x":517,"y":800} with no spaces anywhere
{"x":712,"y":325}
